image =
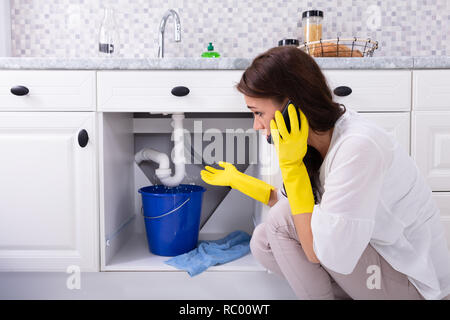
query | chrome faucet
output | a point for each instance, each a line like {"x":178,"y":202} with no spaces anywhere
{"x":162,"y":27}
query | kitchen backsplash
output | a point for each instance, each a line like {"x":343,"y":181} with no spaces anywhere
{"x":69,"y":28}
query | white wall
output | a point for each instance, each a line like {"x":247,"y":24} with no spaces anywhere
{"x":69,"y":28}
{"x":5,"y":28}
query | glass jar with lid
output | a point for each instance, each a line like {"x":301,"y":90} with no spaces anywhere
{"x":312,"y":25}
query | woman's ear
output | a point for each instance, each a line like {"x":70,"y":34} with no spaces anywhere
{"x":279,"y":103}
{"x":284,"y":103}
{"x":311,"y":135}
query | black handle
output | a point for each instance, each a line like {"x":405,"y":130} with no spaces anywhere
{"x":180,"y":91}
{"x":342,"y":91}
{"x":83,"y":138}
{"x":20,"y":90}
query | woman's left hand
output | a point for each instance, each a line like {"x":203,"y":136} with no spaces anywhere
{"x":291,"y":147}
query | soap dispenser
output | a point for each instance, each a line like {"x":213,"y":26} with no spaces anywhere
{"x":210,"y":53}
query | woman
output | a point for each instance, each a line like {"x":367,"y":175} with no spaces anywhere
{"x":358,"y":216}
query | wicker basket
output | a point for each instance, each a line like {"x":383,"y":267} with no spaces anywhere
{"x":346,"y":47}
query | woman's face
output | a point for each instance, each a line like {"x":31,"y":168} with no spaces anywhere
{"x":263,"y":111}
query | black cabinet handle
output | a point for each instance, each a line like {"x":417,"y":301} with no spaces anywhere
{"x":83,"y":138}
{"x":342,"y":91}
{"x":20,"y":90}
{"x":180,"y":91}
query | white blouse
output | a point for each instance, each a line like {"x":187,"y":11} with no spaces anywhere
{"x":372,"y":192}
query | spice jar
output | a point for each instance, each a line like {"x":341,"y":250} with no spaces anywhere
{"x":312,"y":25}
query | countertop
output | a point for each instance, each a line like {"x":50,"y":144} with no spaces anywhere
{"x":31,"y":63}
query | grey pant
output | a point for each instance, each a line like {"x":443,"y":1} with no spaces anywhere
{"x":276,"y":246}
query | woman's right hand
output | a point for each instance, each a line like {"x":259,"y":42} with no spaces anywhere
{"x":219,"y":177}
{"x":230,"y":176}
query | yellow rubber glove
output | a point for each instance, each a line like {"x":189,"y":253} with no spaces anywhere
{"x":230,"y":176}
{"x":291,"y":149}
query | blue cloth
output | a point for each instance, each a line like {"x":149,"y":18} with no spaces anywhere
{"x":211,"y":253}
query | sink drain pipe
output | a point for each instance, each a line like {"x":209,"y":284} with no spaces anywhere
{"x":164,"y":172}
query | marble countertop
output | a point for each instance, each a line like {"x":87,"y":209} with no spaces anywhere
{"x":30,"y":63}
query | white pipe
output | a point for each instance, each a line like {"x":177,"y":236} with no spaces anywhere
{"x":164,"y":172}
{"x":178,"y":152}
{"x":161,"y":158}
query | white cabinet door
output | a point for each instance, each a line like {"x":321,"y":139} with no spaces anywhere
{"x":443,"y":201}
{"x":430,"y":147}
{"x":396,"y":124}
{"x":48,"y":205}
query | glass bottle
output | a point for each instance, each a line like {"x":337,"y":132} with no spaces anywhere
{"x":108,"y":44}
{"x":312,"y":25}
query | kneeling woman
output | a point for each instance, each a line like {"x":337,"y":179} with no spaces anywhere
{"x":355,"y":216}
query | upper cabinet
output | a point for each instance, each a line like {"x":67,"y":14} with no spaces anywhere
{"x":53,"y":90}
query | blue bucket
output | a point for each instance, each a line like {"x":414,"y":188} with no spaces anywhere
{"x":172,"y":217}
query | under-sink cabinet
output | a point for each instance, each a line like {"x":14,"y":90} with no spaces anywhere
{"x":69,"y":181}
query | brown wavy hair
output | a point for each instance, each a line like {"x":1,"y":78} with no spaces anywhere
{"x":284,"y":73}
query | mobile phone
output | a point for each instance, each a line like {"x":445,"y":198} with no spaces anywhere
{"x":287,"y":121}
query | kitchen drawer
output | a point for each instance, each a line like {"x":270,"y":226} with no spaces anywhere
{"x":431,"y":90}
{"x":373,"y":90}
{"x":150,"y":91}
{"x":48,"y":90}
{"x":443,"y":202}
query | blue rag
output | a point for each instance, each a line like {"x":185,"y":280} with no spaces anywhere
{"x":211,"y":253}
